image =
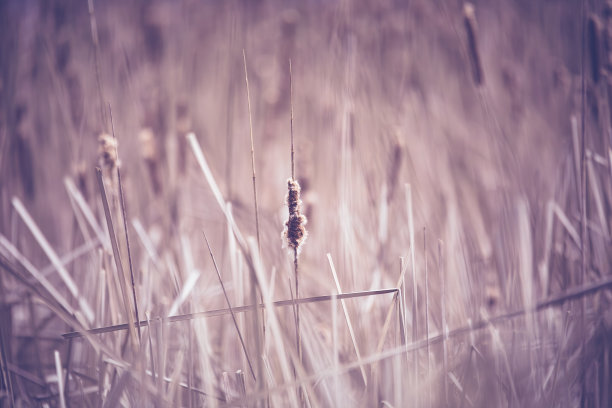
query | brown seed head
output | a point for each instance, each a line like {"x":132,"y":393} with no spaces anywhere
{"x":295,"y":227}
{"x":107,"y":151}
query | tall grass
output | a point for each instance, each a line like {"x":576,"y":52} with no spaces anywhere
{"x":485,"y":126}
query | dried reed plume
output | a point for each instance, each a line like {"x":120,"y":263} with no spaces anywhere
{"x":107,"y":152}
{"x":469,"y":20}
{"x":295,"y":228}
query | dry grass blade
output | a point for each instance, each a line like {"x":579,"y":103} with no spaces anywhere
{"x":567,"y":224}
{"x":185,"y":387}
{"x":44,"y":244}
{"x":197,"y":151}
{"x":146,"y":242}
{"x":598,"y":197}
{"x":125,"y":226}
{"x":174,"y":378}
{"x":387,"y":323}
{"x":229,"y":306}
{"x":72,"y":319}
{"x":335,"y":348}
{"x":499,"y":343}
{"x":274,"y":325}
{"x":60,"y":379}
{"x":112,"y":400}
{"x":257,"y":323}
{"x":187,"y":288}
{"x":236,"y":232}
{"x":427,"y":316}
{"x":40,"y":278}
{"x":413,"y":266}
{"x":148,"y":323}
{"x":86,"y":210}
{"x":348,"y":319}
{"x":26,"y":375}
{"x":242,"y":309}
{"x":7,"y":378}
{"x":117,"y":257}
{"x":246,"y":78}
{"x":443,"y":300}
{"x":460,"y":388}
{"x":553,"y":395}
{"x":469,"y":21}
{"x":73,"y":255}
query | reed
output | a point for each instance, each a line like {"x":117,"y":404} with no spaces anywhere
{"x":391,"y":121}
{"x":594,"y":30}
{"x":469,"y":22}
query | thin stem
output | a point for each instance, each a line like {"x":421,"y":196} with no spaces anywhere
{"x":60,"y":382}
{"x":240,"y":309}
{"x":583,"y":215}
{"x":297,"y":307}
{"x":347,"y":318}
{"x":125,"y":227}
{"x":291,"y":108}
{"x":443,"y":313}
{"x":254,"y":284}
{"x":246,"y":77}
{"x":229,"y":305}
{"x":295,"y":251}
{"x":427,"y":317}
{"x":116,"y":255}
{"x":94,"y":38}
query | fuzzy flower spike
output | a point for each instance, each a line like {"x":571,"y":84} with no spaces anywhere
{"x":295,"y":228}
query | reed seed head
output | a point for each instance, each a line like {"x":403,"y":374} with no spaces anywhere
{"x":107,"y":151}
{"x":295,"y":228}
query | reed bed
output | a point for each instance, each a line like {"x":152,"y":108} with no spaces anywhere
{"x":161,"y":165}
